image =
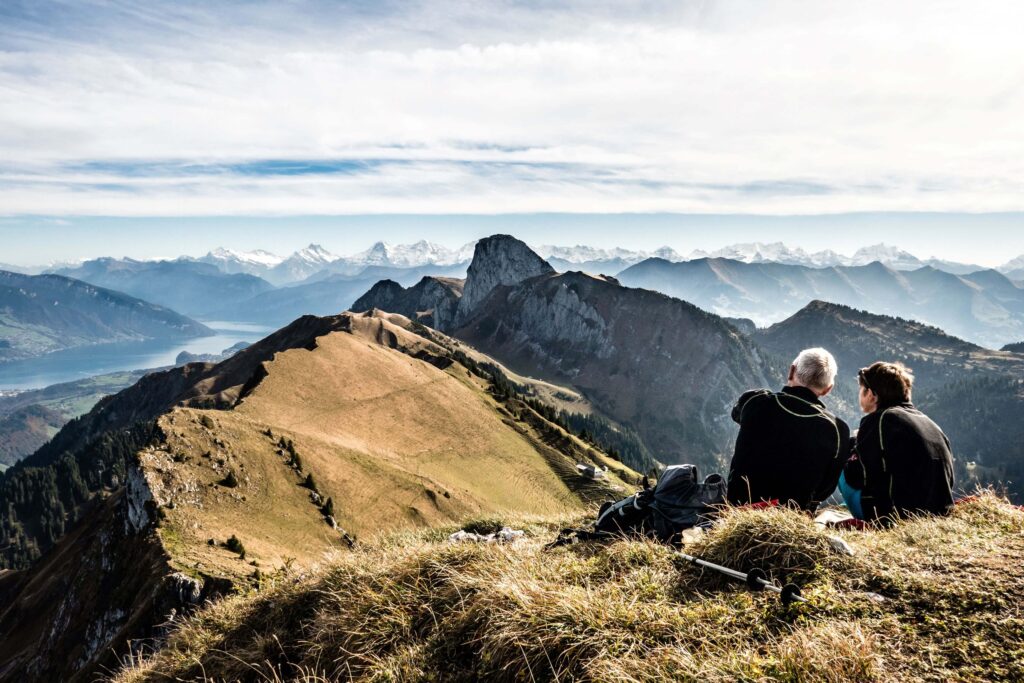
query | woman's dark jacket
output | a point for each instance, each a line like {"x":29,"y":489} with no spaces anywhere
{"x":902,"y":464}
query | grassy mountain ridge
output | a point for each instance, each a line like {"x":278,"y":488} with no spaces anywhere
{"x":389,"y":425}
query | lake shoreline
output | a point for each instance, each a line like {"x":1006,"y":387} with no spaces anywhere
{"x":81,"y":362}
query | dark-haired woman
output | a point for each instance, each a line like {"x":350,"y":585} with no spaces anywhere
{"x":902,"y":462}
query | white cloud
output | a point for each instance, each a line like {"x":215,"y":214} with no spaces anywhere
{"x":792,"y":107}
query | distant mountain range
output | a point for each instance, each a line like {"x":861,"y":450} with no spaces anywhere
{"x":224,"y":285}
{"x":316,"y":262}
{"x":28,"y":419}
{"x":612,"y":261}
{"x":984,"y":307}
{"x":196,"y":289}
{"x":259,"y":286}
{"x":313,"y":259}
{"x":44,"y":313}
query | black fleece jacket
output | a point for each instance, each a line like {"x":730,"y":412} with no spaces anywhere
{"x":902,"y":464}
{"x":789,"y":448}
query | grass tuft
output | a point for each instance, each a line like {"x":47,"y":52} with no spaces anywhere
{"x":786,"y":544}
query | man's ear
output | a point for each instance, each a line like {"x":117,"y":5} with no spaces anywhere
{"x":827,"y":391}
{"x":792,"y":372}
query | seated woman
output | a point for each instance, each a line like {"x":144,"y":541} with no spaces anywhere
{"x":902,"y":463}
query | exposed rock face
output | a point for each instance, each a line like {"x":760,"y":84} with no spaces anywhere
{"x":498,"y":260}
{"x":106,"y":582}
{"x":657,"y":364}
{"x":433,"y":301}
{"x":660,"y":365}
{"x":138,"y":501}
{"x":382,"y":295}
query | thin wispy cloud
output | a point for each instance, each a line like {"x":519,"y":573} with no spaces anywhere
{"x":119,"y":108}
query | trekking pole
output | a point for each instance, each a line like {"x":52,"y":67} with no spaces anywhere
{"x":755,"y":579}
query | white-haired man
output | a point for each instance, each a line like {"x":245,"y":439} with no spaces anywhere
{"x":790,"y":448}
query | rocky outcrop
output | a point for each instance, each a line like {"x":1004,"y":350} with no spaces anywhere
{"x":433,"y":301}
{"x":498,"y":260}
{"x":384,"y":295}
{"x":657,"y":364}
{"x":106,"y":584}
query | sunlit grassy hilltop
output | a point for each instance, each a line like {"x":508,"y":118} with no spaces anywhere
{"x":932,"y":599}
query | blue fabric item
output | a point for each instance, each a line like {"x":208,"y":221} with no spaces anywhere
{"x":852,"y":497}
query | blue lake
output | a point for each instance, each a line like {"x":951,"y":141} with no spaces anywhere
{"x":86,"y":361}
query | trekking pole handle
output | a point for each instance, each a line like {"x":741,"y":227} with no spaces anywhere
{"x":756,"y":579}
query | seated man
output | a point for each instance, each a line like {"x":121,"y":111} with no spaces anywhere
{"x":790,"y":448}
{"x":902,"y":462}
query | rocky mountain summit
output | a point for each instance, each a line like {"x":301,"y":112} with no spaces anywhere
{"x":629,"y":351}
{"x":498,"y":260}
{"x":433,"y":301}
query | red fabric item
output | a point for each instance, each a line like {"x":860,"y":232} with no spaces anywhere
{"x":773,"y":503}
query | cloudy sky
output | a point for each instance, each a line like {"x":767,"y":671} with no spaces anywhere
{"x":203,"y":113}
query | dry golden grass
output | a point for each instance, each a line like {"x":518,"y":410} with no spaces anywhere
{"x":395,"y":441}
{"x":934,"y":599}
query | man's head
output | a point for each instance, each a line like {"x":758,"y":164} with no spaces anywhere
{"x":814,"y":369}
{"x":883,"y":385}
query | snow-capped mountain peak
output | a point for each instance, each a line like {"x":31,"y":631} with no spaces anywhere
{"x":1014,"y":264}
{"x":256,"y":257}
{"x":586,"y":254}
{"x":314,"y":253}
{"x":409,"y":255}
{"x":667,"y":253}
{"x":887,"y":254}
{"x":758,"y":252}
